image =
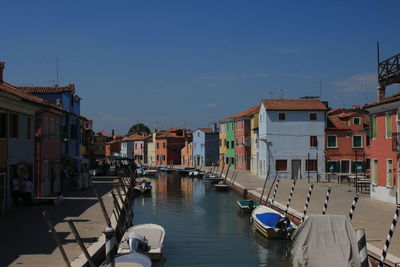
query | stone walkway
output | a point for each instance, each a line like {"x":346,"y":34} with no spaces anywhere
{"x":373,"y":215}
{"x":27,"y":241}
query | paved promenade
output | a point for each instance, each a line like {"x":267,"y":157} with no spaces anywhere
{"x":373,"y":215}
{"x":27,"y":241}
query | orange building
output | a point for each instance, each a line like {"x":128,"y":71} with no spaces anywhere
{"x":187,"y":151}
{"x":169,"y":145}
{"x":346,"y":140}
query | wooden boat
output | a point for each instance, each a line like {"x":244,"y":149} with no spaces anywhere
{"x":247,"y":204}
{"x":271,"y":223}
{"x":144,"y":238}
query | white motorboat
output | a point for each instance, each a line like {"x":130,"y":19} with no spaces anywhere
{"x":143,"y":187}
{"x":144,"y":238}
{"x":132,"y":259}
{"x":271,"y":223}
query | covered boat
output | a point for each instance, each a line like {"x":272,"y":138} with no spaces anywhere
{"x":271,"y":223}
{"x":325,"y":240}
{"x":247,"y":204}
{"x":144,"y":238}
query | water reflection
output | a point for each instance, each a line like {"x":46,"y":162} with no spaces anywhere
{"x":203,"y":227}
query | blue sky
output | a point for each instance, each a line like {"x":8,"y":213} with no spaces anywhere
{"x":188,"y":63}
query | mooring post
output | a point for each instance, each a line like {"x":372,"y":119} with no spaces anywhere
{"x":275,"y":190}
{"x":262,"y":194}
{"x":362,"y":247}
{"x":110,"y":245}
{"x":56,"y":237}
{"x":389,"y":236}
{"x":353,"y":206}
{"x":290,"y":196}
{"x":307,"y":202}
{"x":80,"y":243}
{"x":326,"y":200}
{"x":227,"y":171}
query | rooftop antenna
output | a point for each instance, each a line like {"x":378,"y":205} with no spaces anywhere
{"x":57,"y":71}
{"x":377,"y":55}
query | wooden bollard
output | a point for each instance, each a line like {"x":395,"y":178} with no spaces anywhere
{"x":56,"y":238}
{"x":80,"y":243}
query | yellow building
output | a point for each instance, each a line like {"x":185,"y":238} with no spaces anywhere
{"x":254,"y":143}
{"x":222,"y":144}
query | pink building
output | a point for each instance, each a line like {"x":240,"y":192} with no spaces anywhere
{"x":140,"y":150}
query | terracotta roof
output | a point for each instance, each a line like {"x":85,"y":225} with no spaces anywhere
{"x":102,"y":133}
{"x":386,"y":100}
{"x":206,"y":130}
{"x":8,"y":88}
{"x":134,"y":137}
{"x":172,"y":133}
{"x":246,"y":113}
{"x":294,"y":104}
{"x":336,"y":123}
{"x":49,"y":89}
{"x":335,"y":111}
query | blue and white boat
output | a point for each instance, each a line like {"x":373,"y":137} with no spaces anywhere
{"x":271,"y":223}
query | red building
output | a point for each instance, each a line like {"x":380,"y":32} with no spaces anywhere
{"x":385,"y":148}
{"x":346,"y":140}
{"x":243,"y":137}
{"x":169,"y":145}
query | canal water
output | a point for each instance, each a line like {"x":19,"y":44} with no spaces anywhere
{"x":204,"y":227}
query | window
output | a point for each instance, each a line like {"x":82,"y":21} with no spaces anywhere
{"x":356,"y":120}
{"x":313,"y":116}
{"x":375,"y":171}
{"x":3,"y":125}
{"x":313,"y":141}
{"x":281,"y":165}
{"x":345,"y":166}
{"x":388,"y":125}
{"x":13,"y":126}
{"x":311,"y":165}
{"x":135,"y":145}
{"x":237,"y":141}
{"x":367,"y":140}
{"x":282,"y":116}
{"x":331,"y":142}
{"x":232,"y":144}
{"x":198,"y":134}
{"x":226,"y":143}
{"x":332,"y":167}
{"x":357,"y":141}
{"x":357,"y":166}
{"x":373,"y":127}
{"x":158,"y":145}
{"x":28,"y":129}
{"x":165,"y":144}
{"x":389,"y":172}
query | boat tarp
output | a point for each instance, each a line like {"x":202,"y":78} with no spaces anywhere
{"x":325,"y":240}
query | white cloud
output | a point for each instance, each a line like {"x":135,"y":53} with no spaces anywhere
{"x":110,"y":117}
{"x":361,"y":82}
{"x":212,"y":105}
{"x":260,"y":75}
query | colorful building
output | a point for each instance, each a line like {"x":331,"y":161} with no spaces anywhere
{"x":169,"y":145}
{"x":99,"y":144}
{"x":151,"y":153}
{"x":227,"y":126}
{"x":205,"y":147}
{"x":254,"y":143}
{"x":291,"y":138}
{"x":127,"y":145}
{"x":222,"y":144}
{"x":140,"y":150}
{"x":187,"y":151}
{"x":385,"y":147}
{"x":345,"y":137}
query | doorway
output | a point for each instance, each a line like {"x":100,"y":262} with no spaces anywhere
{"x":296,"y":168}
{"x":345,"y":166}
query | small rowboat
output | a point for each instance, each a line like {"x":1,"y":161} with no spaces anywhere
{"x":144,"y":238}
{"x":247,"y":204}
{"x":271,"y":223}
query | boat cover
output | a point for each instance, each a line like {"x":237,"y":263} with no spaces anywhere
{"x":325,"y":240}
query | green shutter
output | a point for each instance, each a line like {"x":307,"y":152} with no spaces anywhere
{"x":331,"y":141}
{"x":373,"y":127}
{"x":357,"y":141}
{"x":388,"y":125}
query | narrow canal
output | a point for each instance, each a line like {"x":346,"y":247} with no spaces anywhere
{"x":204,"y":227}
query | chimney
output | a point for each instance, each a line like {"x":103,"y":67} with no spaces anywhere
{"x":214,"y":127}
{"x":1,"y":71}
{"x":112,"y":134}
{"x":380,"y":93}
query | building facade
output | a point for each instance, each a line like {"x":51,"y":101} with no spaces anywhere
{"x":169,"y":145}
{"x":222,"y":144}
{"x":291,"y":134}
{"x":151,"y":153}
{"x":254,"y":143}
{"x":205,"y":147}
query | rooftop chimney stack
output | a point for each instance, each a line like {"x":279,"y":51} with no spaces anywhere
{"x":112,"y":134}
{"x":380,"y":93}
{"x":1,"y":71}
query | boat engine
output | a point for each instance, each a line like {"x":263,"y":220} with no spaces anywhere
{"x":283,"y":225}
{"x":138,"y":243}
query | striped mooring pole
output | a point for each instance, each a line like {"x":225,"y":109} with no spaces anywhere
{"x":362,"y":247}
{"x":326,"y":200}
{"x":275,"y":190}
{"x":353,"y":206}
{"x":389,"y":236}
{"x":307,"y":202}
{"x":111,"y":245}
{"x":290,"y":196}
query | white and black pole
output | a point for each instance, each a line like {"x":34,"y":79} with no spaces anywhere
{"x":389,"y":236}
{"x":353,"y":206}
{"x":326,"y":200}
{"x":362,"y":247}
{"x":290,"y":196}
{"x":307,"y":202}
{"x":275,"y":190}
